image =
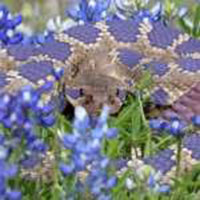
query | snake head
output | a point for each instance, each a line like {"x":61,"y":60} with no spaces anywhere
{"x":93,"y":91}
{"x":95,"y":99}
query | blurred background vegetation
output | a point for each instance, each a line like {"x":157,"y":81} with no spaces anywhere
{"x":37,"y":12}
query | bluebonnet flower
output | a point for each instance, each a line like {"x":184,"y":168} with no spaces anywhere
{"x":88,"y":10}
{"x":153,"y":184}
{"x":93,"y":11}
{"x":7,"y":170}
{"x":80,"y":11}
{"x":174,"y":126}
{"x":196,"y":120}
{"x":67,"y":169}
{"x":85,"y":144}
{"x":151,"y":181}
{"x":36,"y":38}
{"x":8,"y":24}
{"x":28,"y":105}
{"x":132,"y":9}
{"x":21,"y":112}
{"x":58,"y":73}
{"x":164,"y":188}
{"x":157,"y":124}
{"x":155,"y":14}
{"x":12,"y":30}
{"x":150,"y":177}
{"x":14,"y":195}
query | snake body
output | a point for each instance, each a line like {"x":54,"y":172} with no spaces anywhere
{"x":102,"y":63}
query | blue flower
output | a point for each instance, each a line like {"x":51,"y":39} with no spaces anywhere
{"x":38,"y":146}
{"x":196,"y":120}
{"x":151,"y":181}
{"x":8,"y":24}
{"x":125,"y":9}
{"x":11,"y":171}
{"x":47,"y":109}
{"x":148,"y":15}
{"x":9,"y":34}
{"x":69,"y":141}
{"x":13,"y":195}
{"x":58,"y":73}
{"x":164,"y":189}
{"x":7,"y":170}
{"x":104,"y":162}
{"x":88,"y":10}
{"x":66,"y":169}
{"x":157,"y":124}
{"x":104,"y":197}
{"x":86,"y":143}
{"x":25,"y":106}
{"x":28,"y":96}
{"x":111,"y":182}
{"x":112,"y":133}
{"x":46,"y":87}
{"x":174,"y":126}
{"x":48,"y":120}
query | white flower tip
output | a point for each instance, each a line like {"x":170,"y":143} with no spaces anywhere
{"x":51,"y":25}
{"x":129,"y":184}
{"x":92,"y":3}
{"x":80,"y":113}
{"x":27,"y":96}
{"x":10,"y":33}
{"x":1,"y":14}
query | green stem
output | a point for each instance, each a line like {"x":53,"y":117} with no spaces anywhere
{"x":148,"y":148}
{"x":163,"y":141}
{"x":178,"y":156}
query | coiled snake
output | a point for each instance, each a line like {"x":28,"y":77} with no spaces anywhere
{"x":102,"y":63}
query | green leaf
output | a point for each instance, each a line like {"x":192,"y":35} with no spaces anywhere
{"x":184,"y":26}
{"x":196,"y":21}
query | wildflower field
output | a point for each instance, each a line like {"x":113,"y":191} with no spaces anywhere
{"x":52,"y":149}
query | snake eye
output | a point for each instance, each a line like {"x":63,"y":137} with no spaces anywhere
{"x":74,"y":93}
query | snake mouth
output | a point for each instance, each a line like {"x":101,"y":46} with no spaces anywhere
{"x":94,"y":98}
{"x":94,"y":106}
